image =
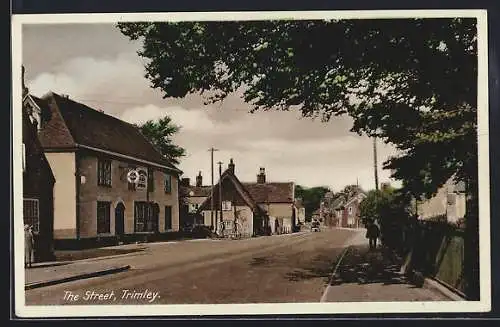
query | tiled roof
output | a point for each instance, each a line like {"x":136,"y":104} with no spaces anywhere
{"x":201,"y":191}
{"x":338,"y":202}
{"x":83,"y":125}
{"x":271,"y":192}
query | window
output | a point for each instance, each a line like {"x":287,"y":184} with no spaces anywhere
{"x":31,"y":213}
{"x":104,"y":172}
{"x":146,"y":217}
{"x":193,"y":207}
{"x":151,"y":180}
{"x":168,"y":217}
{"x":350,"y":210}
{"x":451,"y":199}
{"x":24,"y":157}
{"x":226,"y":205}
{"x":103,"y":217}
{"x":168,"y":183}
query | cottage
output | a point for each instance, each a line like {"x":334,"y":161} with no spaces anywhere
{"x":259,"y":208}
{"x":90,"y":154}
{"x":38,"y":186}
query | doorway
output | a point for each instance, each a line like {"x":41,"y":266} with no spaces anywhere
{"x":120,"y":219}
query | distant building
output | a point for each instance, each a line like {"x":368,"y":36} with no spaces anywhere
{"x":191,"y":197}
{"x":449,"y":203}
{"x":90,"y":154}
{"x":343,"y":210}
{"x":300,"y":211}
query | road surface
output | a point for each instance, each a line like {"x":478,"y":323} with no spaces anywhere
{"x":283,"y":268}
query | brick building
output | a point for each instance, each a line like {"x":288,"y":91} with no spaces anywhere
{"x":90,"y":154}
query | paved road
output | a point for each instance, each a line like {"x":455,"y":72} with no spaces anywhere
{"x":285,"y":268}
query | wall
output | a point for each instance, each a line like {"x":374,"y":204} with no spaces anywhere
{"x":119,"y":191}
{"x":245,"y":219}
{"x":63,"y":168}
{"x":439,"y":205}
{"x":436,"y":206}
{"x":301,"y":215}
{"x":39,"y":184}
{"x":281,"y":211}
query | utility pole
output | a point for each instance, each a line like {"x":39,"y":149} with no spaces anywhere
{"x":212,"y":150}
{"x":375,"y":165}
{"x":220,"y":191}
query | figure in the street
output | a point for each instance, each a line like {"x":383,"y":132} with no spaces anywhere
{"x":29,"y":245}
{"x":372,"y":234}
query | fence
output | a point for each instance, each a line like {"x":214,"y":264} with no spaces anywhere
{"x":438,"y":251}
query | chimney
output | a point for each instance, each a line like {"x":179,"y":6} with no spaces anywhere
{"x":231,"y":166}
{"x":261,"y":177}
{"x":199,"y":180}
{"x":185,"y":182}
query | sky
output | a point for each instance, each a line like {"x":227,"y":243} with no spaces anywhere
{"x":96,"y":65}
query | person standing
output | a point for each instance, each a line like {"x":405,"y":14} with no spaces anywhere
{"x":29,"y":245}
{"x":372,"y":233}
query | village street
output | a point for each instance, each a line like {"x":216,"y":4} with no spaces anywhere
{"x":281,"y":268}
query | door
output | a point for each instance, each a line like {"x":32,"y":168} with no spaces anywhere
{"x":119,"y":219}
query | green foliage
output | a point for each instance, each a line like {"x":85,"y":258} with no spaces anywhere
{"x":409,"y":82}
{"x":386,"y":207}
{"x":160,"y":133}
{"x":311,"y":197}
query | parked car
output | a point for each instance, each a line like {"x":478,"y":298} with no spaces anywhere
{"x":201,"y":231}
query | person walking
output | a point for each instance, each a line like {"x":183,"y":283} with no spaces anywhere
{"x":372,"y":234}
{"x":29,"y":246}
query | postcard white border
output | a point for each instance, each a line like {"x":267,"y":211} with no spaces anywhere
{"x":484,"y":305}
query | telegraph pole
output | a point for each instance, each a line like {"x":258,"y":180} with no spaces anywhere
{"x":375,"y":162}
{"x":220,"y":190}
{"x":212,"y":150}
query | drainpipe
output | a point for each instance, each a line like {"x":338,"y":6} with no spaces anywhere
{"x":77,"y":185}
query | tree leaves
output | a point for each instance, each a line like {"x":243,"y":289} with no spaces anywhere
{"x":410,"y":82}
{"x":160,"y":133}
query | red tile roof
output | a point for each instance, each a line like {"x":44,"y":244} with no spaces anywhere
{"x":74,"y":123}
{"x":271,"y":192}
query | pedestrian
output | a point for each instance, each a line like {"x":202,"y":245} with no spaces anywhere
{"x":29,"y":245}
{"x":372,"y":234}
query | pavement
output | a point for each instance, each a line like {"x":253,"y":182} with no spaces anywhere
{"x":277,"y":269}
{"x":43,"y":276}
{"x":364,"y":275}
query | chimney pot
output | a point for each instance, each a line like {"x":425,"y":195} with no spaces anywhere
{"x":199,"y":180}
{"x":231,"y":166}
{"x":261,"y":177}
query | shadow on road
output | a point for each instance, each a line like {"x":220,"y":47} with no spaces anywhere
{"x":363,"y":266}
{"x":317,"y":266}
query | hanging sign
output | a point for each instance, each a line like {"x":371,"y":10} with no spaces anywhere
{"x":139,"y":177}
{"x":142,"y":180}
